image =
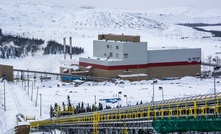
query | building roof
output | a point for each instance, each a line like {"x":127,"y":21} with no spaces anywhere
{"x":170,"y":48}
{"x":119,"y":37}
{"x":104,"y":58}
{"x":132,"y":75}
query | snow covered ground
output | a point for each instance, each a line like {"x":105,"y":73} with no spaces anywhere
{"x":18,"y":100}
{"x":157,"y":27}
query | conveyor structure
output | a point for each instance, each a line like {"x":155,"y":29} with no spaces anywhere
{"x":197,"y":113}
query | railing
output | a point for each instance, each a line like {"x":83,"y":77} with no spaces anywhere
{"x":203,"y":108}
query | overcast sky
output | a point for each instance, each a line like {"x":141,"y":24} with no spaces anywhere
{"x":131,"y":4}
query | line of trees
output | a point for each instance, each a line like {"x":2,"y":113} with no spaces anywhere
{"x":17,"y":47}
{"x":69,"y":109}
{"x":55,"y":48}
{"x":197,"y":25}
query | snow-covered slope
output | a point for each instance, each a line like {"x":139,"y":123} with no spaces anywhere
{"x":157,"y":27}
{"x":46,"y":21}
{"x":31,"y":19}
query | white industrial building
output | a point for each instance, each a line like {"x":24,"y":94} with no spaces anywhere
{"x":126,"y":57}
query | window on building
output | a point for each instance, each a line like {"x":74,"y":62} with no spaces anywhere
{"x":198,"y":58}
{"x":111,"y":54}
{"x":126,"y":55}
{"x":189,"y":59}
{"x":193,"y":59}
{"x":117,"y":47}
{"x":108,"y":46}
{"x":117,"y":55}
{"x":105,"y":54}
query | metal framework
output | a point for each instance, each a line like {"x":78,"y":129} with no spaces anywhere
{"x":134,"y":119}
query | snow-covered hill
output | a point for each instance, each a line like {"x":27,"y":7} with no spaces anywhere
{"x":34,"y":19}
{"x":46,"y":21}
{"x":157,"y":27}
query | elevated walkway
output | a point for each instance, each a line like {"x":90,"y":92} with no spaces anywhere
{"x":211,"y":64}
{"x":200,"y":113}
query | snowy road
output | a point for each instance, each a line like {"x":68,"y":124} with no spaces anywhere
{"x":14,"y":96}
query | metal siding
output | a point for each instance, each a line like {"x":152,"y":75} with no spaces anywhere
{"x":115,"y":73}
{"x":137,"y":53}
{"x":173,"y":71}
{"x":173,"y":55}
{"x":100,"y":47}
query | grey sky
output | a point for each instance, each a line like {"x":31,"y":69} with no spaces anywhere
{"x":131,"y":4}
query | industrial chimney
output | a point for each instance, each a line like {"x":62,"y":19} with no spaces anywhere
{"x":64,"y":48}
{"x":70,"y":47}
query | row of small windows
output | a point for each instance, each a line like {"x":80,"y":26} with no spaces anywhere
{"x":194,"y":59}
{"x":110,"y":47}
{"x":117,"y":55}
{"x":110,"y":54}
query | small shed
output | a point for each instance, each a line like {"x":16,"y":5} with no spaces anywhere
{"x":6,"y":71}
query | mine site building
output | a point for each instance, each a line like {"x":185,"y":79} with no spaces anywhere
{"x":124,"y":56}
{"x":6,"y":72}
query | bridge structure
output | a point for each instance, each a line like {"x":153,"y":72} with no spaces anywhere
{"x":211,"y":64}
{"x":200,"y":113}
{"x":20,"y":74}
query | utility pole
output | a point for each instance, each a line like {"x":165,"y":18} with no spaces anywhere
{"x":36,"y":98}
{"x":118,"y":95}
{"x":34,"y":78}
{"x":126,"y":100}
{"x":4,"y":98}
{"x":95,"y":102}
{"x":40,"y":104}
{"x":28,"y":83}
{"x":118,"y":99}
{"x":32,"y":91}
{"x":155,"y":81}
{"x":24,"y":84}
{"x":214,"y":75}
{"x":70,"y":47}
{"x":161,"y":88}
{"x":64,"y":41}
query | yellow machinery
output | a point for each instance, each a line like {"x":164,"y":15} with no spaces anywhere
{"x":202,"y":106}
